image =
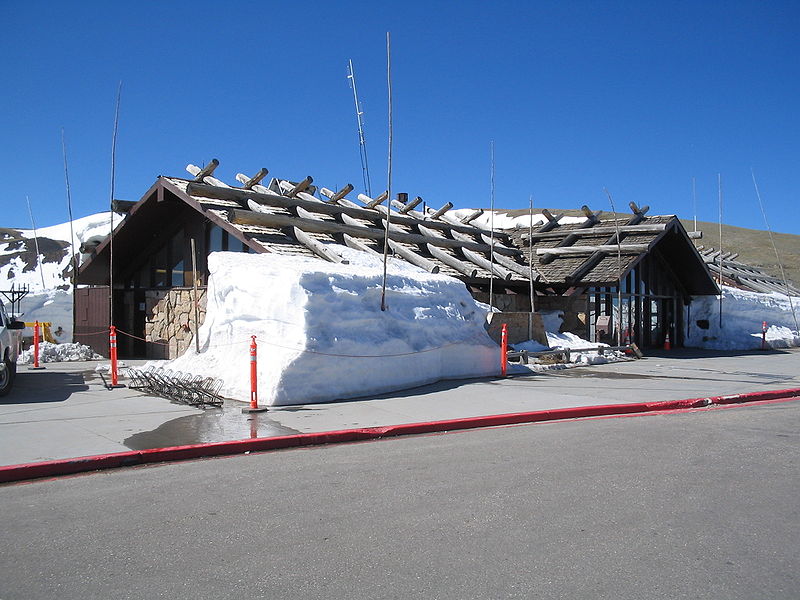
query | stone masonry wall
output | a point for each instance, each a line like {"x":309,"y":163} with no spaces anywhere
{"x":169,"y":320}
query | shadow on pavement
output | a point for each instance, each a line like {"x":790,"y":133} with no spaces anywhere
{"x":681,"y":353}
{"x":35,"y":388}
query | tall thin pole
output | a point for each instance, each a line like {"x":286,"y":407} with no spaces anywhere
{"x":388,"y":168}
{"x":362,"y":142}
{"x":36,"y":242}
{"x":196,"y":300}
{"x":694,"y":203}
{"x":719,"y":257}
{"x":530,"y":267}
{"x":530,"y":253}
{"x":491,"y":225}
{"x":111,"y":206}
{"x":619,"y":269}
{"x":775,"y":249}
{"x":69,"y":209}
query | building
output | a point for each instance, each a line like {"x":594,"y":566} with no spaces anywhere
{"x":157,"y":255}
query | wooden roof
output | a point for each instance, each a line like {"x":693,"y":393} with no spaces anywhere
{"x":742,"y":275}
{"x":287,"y":217}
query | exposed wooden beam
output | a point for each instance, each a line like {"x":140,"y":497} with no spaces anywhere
{"x":279,"y":221}
{"x":357,"y":244}
{"x":413,"y":257}
{"x":480,"y":260}
{"x":299,"y":187}
{"x":451,"y":261}
{"x":207,"y":171}
{"x":581,"y":250}
{"x":318,"y":247}
{"x":472,"y":216}
{"x":600,"y":230}
{"x":344,"y":207}
{"x":333,"y":198}
{"x":441,"y":211}
{"x":249,"y":182}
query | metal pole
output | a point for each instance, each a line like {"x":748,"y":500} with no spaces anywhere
{"x":388,"y":168}
{"x":196,"y":300}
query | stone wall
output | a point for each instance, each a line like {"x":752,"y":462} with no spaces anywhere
{"x":169,"y":320}
{"x":522,"y":326}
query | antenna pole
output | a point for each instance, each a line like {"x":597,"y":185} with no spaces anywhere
{"x":719,"y":261}
{"x":36,"y":242}
{"x":491,"y":225}
{"x":694,"y":203}
{"x":775,"y":249}
{"x":69,"y":210}
{"x":619,"y":269}
{"x":110,"y":203}
{"x":388,"y":168}
{"x":362,"y":142}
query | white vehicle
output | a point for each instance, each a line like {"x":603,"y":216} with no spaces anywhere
{"x":9,"y":349}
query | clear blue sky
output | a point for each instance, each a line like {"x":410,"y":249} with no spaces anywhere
{"x":637,"y":97}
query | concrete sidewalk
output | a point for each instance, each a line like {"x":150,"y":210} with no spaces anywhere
{"x":65,"y":411}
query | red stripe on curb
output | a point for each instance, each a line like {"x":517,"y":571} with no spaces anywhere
{"x":139,"y":457}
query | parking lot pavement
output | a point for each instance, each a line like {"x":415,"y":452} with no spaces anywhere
{"x":683,"y":505}
{"x":64,"y":411}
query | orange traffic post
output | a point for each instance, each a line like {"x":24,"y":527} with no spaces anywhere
{"x":253,"y":379}
{"x":36,"y":364}
{"x":667,"y":345}
{"x":504,"y":349}
{"x":112,"y":352}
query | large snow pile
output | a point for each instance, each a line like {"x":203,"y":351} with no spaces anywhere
{"x":742,"y":316}
{"x":21,"y":265}
{"x":322,"y":335}
{"x":49,"y":352}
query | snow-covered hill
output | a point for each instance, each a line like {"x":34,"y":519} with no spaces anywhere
{"x":47,"y":273}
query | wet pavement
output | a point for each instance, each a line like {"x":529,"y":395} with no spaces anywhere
{"x":65,"y":410}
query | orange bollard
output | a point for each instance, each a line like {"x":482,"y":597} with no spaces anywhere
{"x":253,"y":379}
{"x":504,"y":349}
{"x":667,"y":345}
{"x":36,"y":364}
{"x":36,"y":345}
{"x":253,"y":373}
{"x":112,"y":343}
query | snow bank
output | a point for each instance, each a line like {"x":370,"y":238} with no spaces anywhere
{"x":49,"y":352}
{"x":321,"y":334}
{"x":742,"y":315}
{"x":556,"y":341}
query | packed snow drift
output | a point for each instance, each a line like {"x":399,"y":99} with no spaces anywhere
{"x":743,"y":314}
{"x":49,"y":352}
{"x":321,"y":333}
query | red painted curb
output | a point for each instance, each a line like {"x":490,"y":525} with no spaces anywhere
{"x":139,"y":457}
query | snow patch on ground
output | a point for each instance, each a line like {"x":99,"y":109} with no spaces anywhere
{"x":49,"y":352}
{"x":321,"y":333}
{"x":742,"y":315}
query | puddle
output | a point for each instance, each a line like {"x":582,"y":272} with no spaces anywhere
{"x":217,"y":425}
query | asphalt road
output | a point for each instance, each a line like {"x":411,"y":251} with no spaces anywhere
{"x":686,"y":505}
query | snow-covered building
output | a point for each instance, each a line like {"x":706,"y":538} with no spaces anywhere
{"x":575,"y":265}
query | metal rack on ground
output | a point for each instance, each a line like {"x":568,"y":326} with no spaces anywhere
{"x":195,"y":390}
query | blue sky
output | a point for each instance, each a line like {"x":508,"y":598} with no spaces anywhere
{"x":638,"y":97}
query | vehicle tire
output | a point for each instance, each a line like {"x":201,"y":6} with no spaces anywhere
{"x":7,"y":376}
